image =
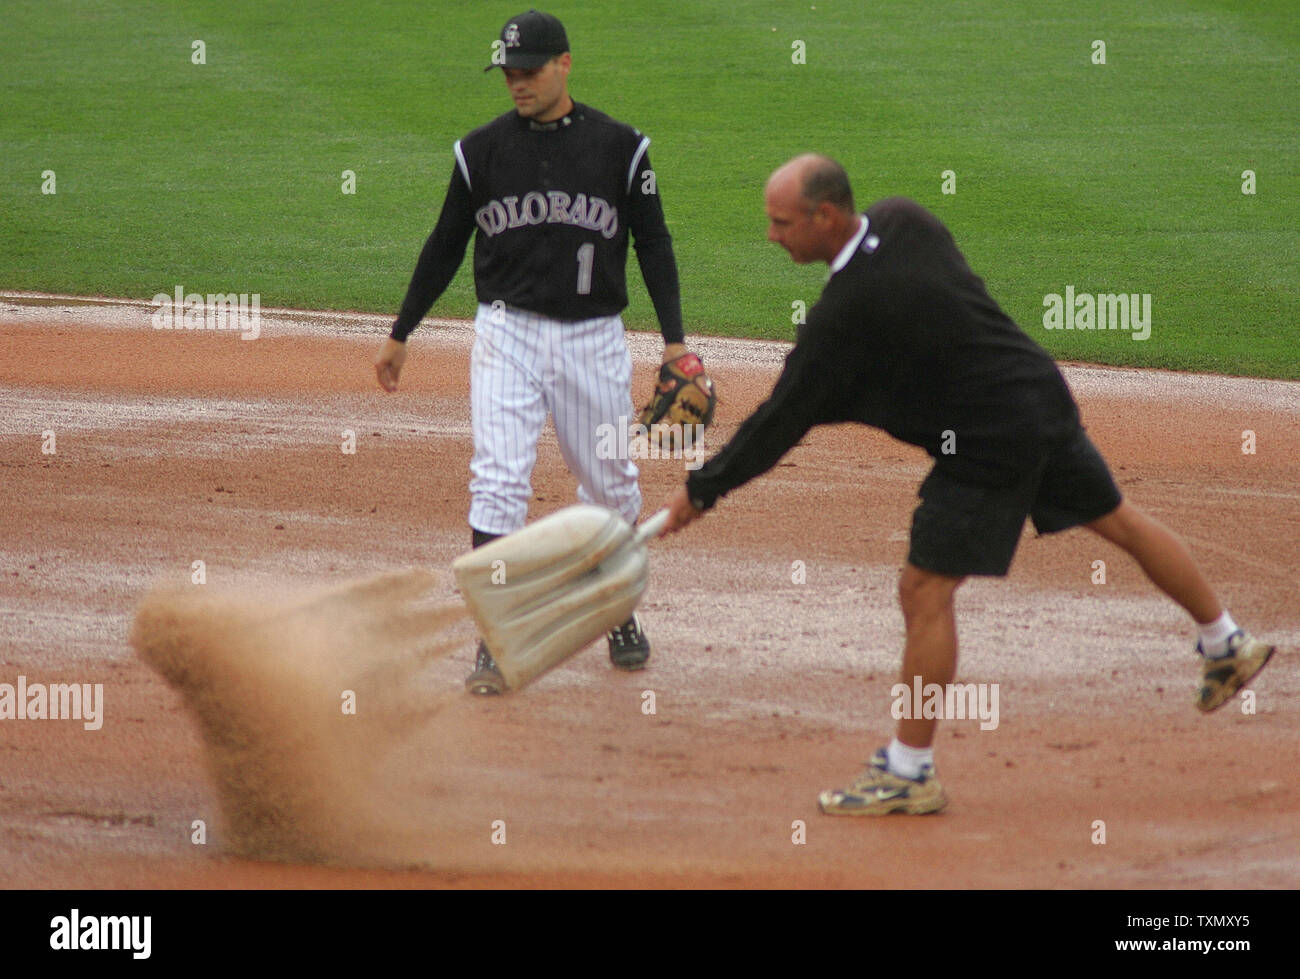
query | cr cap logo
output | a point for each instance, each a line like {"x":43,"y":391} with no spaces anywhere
{"x":512,"y":35}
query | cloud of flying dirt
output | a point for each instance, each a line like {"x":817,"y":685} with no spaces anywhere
{"x":269,"y":675}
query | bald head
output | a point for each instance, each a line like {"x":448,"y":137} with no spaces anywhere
{"x":810,"y":208}
{"x":816,"y":179}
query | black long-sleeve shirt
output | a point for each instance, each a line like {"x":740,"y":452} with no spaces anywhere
{"x":906,"y":338}
{"x":553,"y":205}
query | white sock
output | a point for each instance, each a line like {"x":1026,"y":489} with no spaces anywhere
{"x":906,"y":761}
{"x":1214,"y":635}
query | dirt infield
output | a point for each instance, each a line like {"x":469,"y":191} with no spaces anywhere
{"x":774,"y":623}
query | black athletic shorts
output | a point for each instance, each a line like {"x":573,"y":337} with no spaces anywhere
{"x":964,"y":528}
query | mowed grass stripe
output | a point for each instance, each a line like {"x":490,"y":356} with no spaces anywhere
{"x":1117,"y":177}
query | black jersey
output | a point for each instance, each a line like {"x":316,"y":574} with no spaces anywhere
{"x":906,"y":338}
{"x":552,"y":205}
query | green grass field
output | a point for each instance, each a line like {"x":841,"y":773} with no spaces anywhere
{"x":1122,"y":177}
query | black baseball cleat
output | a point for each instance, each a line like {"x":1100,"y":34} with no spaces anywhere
{"x":628,"y":647}
{"x":486,"y":679}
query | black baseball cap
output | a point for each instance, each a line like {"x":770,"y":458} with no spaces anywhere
{"x":529,"y":41}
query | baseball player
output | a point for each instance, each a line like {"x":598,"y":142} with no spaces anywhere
{"x":551,"y":191}
{"x":906,"y":338}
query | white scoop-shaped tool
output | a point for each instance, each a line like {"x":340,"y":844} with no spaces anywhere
{"x":544,"y":592}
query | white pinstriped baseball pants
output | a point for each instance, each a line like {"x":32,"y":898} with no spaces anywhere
{"x":524,"y":367}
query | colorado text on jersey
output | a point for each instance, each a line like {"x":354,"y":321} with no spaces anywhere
{"x":553,"y":207}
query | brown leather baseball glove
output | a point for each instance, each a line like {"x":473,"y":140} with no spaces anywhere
{"x":684,"y":395}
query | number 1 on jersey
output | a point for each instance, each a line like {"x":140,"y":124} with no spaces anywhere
{"x":586,"y":258}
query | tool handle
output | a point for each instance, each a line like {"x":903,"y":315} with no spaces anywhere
{"x":651,"y":528}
